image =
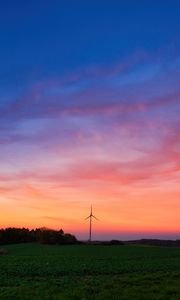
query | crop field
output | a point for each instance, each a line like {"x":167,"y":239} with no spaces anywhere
{"x":33,"y":271}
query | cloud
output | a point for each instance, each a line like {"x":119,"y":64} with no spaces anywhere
{"x":93,"y":91}
{"x":91,"y":129}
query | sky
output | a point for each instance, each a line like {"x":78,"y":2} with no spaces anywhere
{"x":90,"y":114}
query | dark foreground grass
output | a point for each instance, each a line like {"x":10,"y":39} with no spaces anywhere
{"x":32,"y":271}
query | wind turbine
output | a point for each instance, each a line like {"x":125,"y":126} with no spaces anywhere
{"x":90,"y":222}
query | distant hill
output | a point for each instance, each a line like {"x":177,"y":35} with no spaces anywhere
{"x":155,"y":242}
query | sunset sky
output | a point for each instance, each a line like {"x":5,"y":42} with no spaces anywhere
{"x":90,"y":114}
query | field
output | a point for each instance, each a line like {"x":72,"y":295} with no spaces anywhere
{"x":32,"y":271}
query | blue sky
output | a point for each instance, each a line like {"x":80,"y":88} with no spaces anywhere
{"x":45,"y":38}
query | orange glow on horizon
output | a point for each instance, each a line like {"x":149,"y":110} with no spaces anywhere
{"x":133,"y":211}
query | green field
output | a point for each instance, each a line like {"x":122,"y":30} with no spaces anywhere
{"x":32,"y":271}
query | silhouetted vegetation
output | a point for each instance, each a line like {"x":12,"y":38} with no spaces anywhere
{"x":39,"y":235}
{"x":44,"y":235}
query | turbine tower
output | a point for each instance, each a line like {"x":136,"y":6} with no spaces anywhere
{"x":90,"y":223}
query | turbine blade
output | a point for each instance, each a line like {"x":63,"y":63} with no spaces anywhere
{"x":95,"y":218}
{"x":87,"y":218}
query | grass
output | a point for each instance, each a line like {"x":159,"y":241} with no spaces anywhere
{"x":32,"y":271}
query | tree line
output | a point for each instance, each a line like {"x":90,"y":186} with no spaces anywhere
{"x":13,"y":235}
